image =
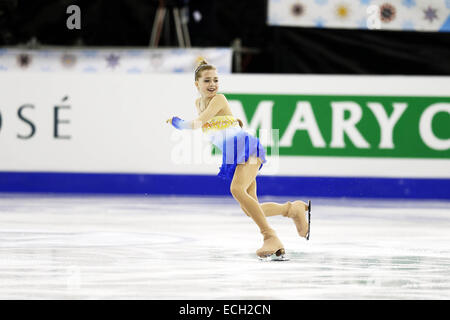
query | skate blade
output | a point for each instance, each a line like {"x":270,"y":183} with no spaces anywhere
{"x":309,"y":219}
{"x":274,"y":258}
{"x":280,"y":255}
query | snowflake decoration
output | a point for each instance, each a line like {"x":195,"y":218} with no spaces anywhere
{"x":430,"y":14}
{"x":362,"y":24}
{"x":319,"y":22}
{"x":366,"y":2}
{"x":297,"y":10}
{"x":409,"y":3}
{"x":112,"y":60}
{"x":68,"y":60}
{"x":24,"y":60}
{"x":342,"y":11}
{"x":387,"y":12}
{"x":408,"y":25}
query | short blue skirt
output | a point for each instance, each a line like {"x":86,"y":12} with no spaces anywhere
{"x":236,"y":150}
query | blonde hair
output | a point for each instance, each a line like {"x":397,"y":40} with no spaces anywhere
{"x":202,"y":65}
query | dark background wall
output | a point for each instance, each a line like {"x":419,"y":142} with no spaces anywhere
{"x":278,"y":49}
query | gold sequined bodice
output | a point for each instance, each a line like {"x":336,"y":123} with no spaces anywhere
{"x":219,"y":123}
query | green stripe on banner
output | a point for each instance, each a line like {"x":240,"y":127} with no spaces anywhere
{"x":350,"y":126}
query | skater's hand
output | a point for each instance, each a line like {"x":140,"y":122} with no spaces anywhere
{"x":179,"y":123}
{"x":170,"y":120}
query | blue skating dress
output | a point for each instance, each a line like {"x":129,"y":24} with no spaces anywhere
{"x":236,"y":144}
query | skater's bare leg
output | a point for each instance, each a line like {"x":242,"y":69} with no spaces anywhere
{"x":244,"y":175}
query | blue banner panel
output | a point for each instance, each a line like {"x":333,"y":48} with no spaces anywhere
{"x":160,"y":184}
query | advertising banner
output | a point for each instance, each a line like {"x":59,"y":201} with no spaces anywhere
{"x":317,"y":127}
{"x":400,"y":15}
{"x":112,"y":60}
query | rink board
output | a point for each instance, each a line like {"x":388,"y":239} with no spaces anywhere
{"x":359,"y":136}
{"x":101,"y":183}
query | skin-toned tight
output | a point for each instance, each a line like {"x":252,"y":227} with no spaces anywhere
{"x":243,"y":178}
{"x":270,"y":208}
{"x":243,"y":189}
{"x":274,"y":209}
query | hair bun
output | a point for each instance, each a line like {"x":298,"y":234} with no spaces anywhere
{"x":201,"y":61}
{"x":202,"y":64}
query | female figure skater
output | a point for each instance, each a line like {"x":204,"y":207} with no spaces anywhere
{"x":243,"y":156}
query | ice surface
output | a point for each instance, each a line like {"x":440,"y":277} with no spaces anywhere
{"x":167,"y":247}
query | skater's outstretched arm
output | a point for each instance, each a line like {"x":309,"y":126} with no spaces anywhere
{"x":215,"y":105}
